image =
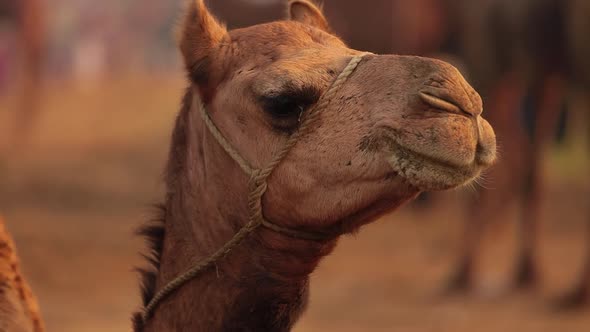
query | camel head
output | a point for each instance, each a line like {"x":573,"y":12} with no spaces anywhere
{"x":398,"y":126}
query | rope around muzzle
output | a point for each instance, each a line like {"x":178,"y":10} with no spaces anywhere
{"x":257,"y":187}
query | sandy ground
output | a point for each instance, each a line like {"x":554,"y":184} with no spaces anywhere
{"x":75,"y":192}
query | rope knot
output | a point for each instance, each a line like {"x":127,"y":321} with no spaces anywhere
{"x":257,"y":183}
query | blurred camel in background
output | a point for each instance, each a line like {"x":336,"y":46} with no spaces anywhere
{"x":19,"y":311}
{"x":525,"y":58}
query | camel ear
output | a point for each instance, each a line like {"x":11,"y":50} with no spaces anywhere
{"x":306,"y":12}
{"x":199,"y":38}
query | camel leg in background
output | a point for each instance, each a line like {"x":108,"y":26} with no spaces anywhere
{"x":526,"y":273}
{"x":548,"y":97}
{"x":578,"y":27}
{"x":481,"y":214}
{"x":501,"y":109}
{"x":579,"y":295}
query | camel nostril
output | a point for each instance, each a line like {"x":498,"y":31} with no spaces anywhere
{"x":450,"y":99}
{"x":450,"y":92}
{"x":439,"y":103}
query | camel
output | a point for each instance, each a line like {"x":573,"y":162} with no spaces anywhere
{"x":287,"y":140}
{"x":19,"y":310}
{"x":507,"y":57}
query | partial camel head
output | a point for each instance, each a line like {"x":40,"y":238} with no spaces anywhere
{"x":398,"y":126}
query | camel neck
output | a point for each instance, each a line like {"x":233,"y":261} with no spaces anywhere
{"x":261,"y":285}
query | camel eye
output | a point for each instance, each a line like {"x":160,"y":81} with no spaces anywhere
{"x":285,"y":108}
{"x":283,"y":112}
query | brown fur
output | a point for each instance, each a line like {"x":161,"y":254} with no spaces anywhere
{"x":19,"y":311}
{"x":421,"y":117}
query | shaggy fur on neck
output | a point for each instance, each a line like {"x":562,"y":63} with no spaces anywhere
{"x":154,"y":231}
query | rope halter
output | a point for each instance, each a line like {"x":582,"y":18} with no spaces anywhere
{"x":257,"y":186}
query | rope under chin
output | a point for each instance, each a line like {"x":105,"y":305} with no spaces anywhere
{"x":257,"y":187}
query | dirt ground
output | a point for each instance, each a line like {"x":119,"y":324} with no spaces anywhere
{"x":74,"y":193}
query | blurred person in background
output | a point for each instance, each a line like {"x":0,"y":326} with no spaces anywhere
{"x":26,"y":19}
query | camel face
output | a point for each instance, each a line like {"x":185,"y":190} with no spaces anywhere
{"x":398,"y":126}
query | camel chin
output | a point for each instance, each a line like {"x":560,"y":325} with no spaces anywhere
{"x":428,"y":174}
{"x":427,"y":171}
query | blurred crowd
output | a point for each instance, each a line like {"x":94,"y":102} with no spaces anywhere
{"x":90,"y":38}
{"x":87,"y":39}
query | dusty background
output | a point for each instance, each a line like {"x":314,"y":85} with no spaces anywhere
{"x":73,"y":198}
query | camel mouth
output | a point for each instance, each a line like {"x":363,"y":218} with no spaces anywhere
{"x":433,"y":174}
